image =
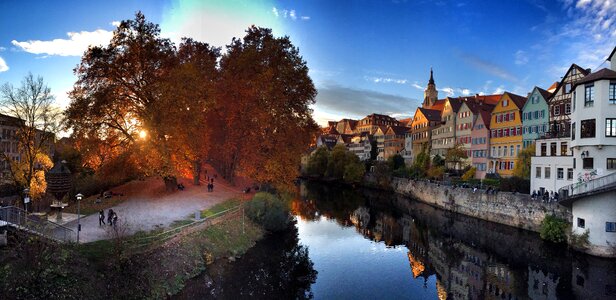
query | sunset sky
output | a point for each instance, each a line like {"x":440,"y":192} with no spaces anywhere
{"x":364,"y":56}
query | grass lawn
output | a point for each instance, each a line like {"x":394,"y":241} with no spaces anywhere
{"x":220,"y":207}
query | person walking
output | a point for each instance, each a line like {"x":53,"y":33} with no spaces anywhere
{"x":101,"y":218}
{"x":110,"y":216}
{"x":115,"y":219}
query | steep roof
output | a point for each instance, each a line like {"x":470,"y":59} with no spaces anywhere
{"x":609,"y":58}
{"x":562,"y":81}
{"x":431,"y":114}
{"x":517,"y":99}
{"x":330,"y":130}
{"x":553,"y":87}
{"x":604,"y":73}
{"x":398,"y":130}
{"x":455,"y":103}
{"x":406,"y":122}
{"x":545,"y":94}
{"x":346,"y":138}
{"x":486,"y":117}
{"x":438,"y":105}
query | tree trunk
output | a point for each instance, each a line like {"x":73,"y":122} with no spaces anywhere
{"x":171,"y":183}
{"x":197,"y":172}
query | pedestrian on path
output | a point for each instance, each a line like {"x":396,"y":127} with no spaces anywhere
{"x":115,"y":219}
{"x":101,"y":218}
{"x":110,"y":216}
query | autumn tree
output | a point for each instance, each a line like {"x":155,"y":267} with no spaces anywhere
{"x":523,"y":165}
{"x":263,"y":120}
{"x":30,"y":109}
{"x":117,"y":96}
{"x":189,"y":95}
{"x":455,"y":155}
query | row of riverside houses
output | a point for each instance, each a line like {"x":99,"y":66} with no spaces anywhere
{"x":493,"y":129}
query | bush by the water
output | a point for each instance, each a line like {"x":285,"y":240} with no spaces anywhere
{"x":269,"y":211}
{"x":553,"y":229}
{"x":339,"y":163}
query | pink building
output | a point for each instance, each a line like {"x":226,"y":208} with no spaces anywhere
{"x":480,"y":142}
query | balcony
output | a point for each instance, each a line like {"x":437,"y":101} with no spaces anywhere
{"x":553,"y":135}
{"x":585,"y":188}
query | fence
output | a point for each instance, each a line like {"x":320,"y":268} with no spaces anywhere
{"x":583,"y":187}
{"x":159,"y":238}
{"x":18,"y":218}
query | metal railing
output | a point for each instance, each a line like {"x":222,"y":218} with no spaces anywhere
{"x":583,"y":187}
{"x":18,"y":218}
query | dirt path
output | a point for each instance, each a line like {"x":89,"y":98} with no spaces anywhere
{"x":149,"y":207}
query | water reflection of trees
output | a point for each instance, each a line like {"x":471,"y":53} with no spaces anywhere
{"x":471,"y":259}
{"x":277,"y":268}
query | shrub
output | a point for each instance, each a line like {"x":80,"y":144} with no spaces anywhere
{"x":553,"y":229}
{"x":354,"y":172}
{"x":580,"y":241}
{"x":493,"y":182}
{"x":269,"y":211}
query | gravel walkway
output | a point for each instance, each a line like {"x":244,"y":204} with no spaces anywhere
{"x":149,"y":207}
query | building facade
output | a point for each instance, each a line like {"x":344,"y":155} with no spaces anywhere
{"x":480,"y":143}
{"x":552,"y":165}
{"x":444,"y":136}
{"x":424,"y":121}
{"x":535,"y":119}
{"x":506,"y":134}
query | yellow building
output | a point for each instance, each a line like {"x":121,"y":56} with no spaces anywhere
{"x":506,"y":134}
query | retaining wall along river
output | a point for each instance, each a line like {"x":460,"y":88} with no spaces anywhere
{"x":517,"y":210}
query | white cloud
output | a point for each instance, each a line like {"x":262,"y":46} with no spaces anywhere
{"x":288,"y":13}
{"x":386,"y":80}
{"x":449,"y":91}
{"x":2,"y":49}
{"x":115,"y":23}
{"x":465,"y":92}
{"x":417,"y":86}
{"x":76,"y":45}
{"x":305,"y":18}
{"x":3,"y":66}
{"x":499,"y":90}
{"x":292,"y":15}
{"x":275,"y":11}
{"x":521,"y":58}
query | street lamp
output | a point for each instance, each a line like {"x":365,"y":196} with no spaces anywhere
{"x":79,"y":197}
{"x":26,"y":199}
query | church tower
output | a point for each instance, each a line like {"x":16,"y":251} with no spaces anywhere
{"x":430,"y":94}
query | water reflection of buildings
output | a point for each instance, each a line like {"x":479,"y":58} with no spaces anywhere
{"x":473,"y":259}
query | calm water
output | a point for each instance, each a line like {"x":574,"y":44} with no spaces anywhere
{"x":373,"y":245}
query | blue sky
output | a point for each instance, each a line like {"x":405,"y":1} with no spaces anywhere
{"x":364,"y":56}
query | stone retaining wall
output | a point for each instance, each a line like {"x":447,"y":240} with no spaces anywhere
{"x":517,"y":210}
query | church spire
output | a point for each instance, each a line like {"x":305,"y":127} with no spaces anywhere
{"x":431,"y":81}
{"x":430,"y":93}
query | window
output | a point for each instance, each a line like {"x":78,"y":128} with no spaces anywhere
{"x":517,"y":150}
{"x":511,"y":150}
{"x":612,"y":93}
{"x":574,"y":162}
{"x":573,"y":131}
{"x":610,"y":226}
{"x":568,"y":88}
{"x":553,"y":149}
{"x":589,"y":96}
{"x":538,"y":172}
{"x":512,"y":116}
{"x":569,"y":174}
{"x":560,"y":173}
{"x":611,"y":163}
{"x":505,"y":102}
{"x":588,"y":163}
{"x":568,"y":108}
{"x":581,"y":223}
{"x":587,"y":130}
{"x":544,"y":147}
{"x":610,"y":127}
{"x":536,"y":114}
{"x":510,"y":165}
{"x":519,"y":130}
{"x":556,"y":110}
{"x":547,"y":172}
{"x":563,"y":148}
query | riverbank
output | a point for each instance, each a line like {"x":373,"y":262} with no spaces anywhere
{"x":512,"y":209}
{"x":116,"y":269}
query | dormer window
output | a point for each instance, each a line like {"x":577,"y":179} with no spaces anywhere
{"x":568,"y":88}
{"x":505,"y":103}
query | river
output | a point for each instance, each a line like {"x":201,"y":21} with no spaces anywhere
{"x":365,"y":244}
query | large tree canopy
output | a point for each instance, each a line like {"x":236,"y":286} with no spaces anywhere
{"x":246,"y":111}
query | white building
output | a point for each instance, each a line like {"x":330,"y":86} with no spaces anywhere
{"x":592,"y":197}
{"x":407,"y":153}
{"x":593,"y":124}
{"x":552,"y":165}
